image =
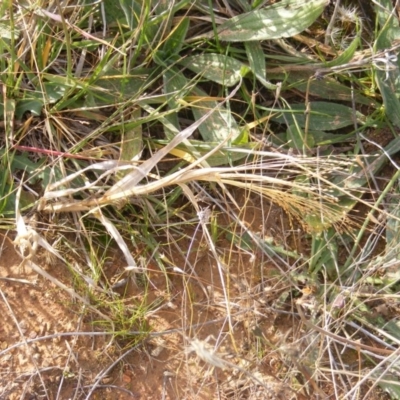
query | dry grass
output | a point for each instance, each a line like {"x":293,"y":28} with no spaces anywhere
{"x":230,"y":228}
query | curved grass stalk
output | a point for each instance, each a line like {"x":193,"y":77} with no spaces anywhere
{"x":296,"y":198}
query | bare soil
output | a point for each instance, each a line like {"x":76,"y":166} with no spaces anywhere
{"x":259,"y":344}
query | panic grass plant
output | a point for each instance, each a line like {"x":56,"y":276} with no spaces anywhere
{"x":162,"y":112}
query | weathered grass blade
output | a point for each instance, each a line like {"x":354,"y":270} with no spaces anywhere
{"x":110,"y":167}
{"x":198,"y":149}
{"x":113,"y":231}
{"x":275,"y":189}
{"x":131,"y":180}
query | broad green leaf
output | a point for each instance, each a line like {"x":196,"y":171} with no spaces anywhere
{"x":346,"y":56}
{"x":8,"y":198}
{"x":113,"y":11}
{"x":389,"y":92}
{"x":218,"y":68}
{"x":327,"y":88}
{"x":50,"y":175}
{"x":176,"y":38}
{"x":38,"y":171}
{"x":387,"y":66}
{"x":255,"y":55}
{"x":243,"y":138}
{"x":34,"y":102}
{"x":191,"y":150}
{"x":132,"y":10}
{"x":21,"y":162}
{"x":175,"y":87}
{"x":246,"y":243}
{"x":387,"y":20}
{"x":171,"y":124}
{"x":375,"y":163}
{"x":16,"y":163}
{"x":297,"y":139}
{"x":393,"y":328}
{"x":392,"y":387}
{"x":257,"y":3}
{"x":393,"y":224}
{"x":322,"y":116}
{"x":114,"y":87}
{"x":54,"y":91}
{"x":131,"y":140}
{"x":34,"y":106}
{"x":220,"y":125}
{"x":9,"y":109}
{"x":324,"y":251}
{"x":126,"y":11}
{"x":317,"y":138}
{"x":280,"y":20}
{"x":358,"y":177}
{"x":164,"y":9}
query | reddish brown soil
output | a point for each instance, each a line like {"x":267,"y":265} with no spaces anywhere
{"x":186,"y":312}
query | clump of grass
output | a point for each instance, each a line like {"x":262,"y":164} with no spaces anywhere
{"x":145,"y":121}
